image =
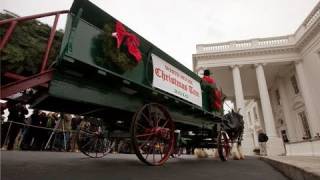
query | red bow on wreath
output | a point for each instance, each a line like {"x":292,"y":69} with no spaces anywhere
{"x":132,"y":41}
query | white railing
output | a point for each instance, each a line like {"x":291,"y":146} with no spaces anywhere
{"x":245,"y":44}
{"x":312,"y":17}
{"x":263,"y":42}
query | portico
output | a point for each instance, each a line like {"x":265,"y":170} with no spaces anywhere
{"x":248,"y":82}
{"x":275,"y":84}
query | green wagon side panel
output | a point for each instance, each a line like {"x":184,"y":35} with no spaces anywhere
{"x":82,"y":47}
{"x":90,"y":92}
{"x":119,"y":97}
{"x":91,"y":24}
{"x":78,"y":78}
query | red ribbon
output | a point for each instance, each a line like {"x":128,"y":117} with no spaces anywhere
{"x":131,"y":41}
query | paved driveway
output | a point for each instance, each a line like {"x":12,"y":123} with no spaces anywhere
{"x":17,"y":165}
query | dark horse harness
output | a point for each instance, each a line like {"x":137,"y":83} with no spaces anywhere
{"x":233,"y":124}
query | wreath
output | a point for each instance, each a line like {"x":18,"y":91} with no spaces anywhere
{"x":118,"y":48}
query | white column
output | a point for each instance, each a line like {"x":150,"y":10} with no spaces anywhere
{"x":265,"y":102}
{"x":291,"y":130}
{"x":314,"y":122}
{"x":275,"y":144}
{"x":238,"y":88}
{"x":247,"y":143}
{"x":260,"y":114}
{"x":255,"y":136}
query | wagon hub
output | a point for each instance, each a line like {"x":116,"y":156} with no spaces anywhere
{"x":162,"y":132}
{"x":159,"y":132}
{"x":99,"y":132}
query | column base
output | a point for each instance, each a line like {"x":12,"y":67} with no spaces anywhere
{"x":247,"y":145}
{"x":275,"y":146}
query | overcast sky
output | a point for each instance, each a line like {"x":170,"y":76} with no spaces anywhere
{"x":176,"y":26}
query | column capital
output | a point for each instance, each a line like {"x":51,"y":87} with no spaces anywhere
{"x":235,"y":65}
{"x":297,"y":61}
{"x":259,"y":64}
{"x":198,"y":68}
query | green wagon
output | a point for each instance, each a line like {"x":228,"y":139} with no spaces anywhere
{"x":106,"y":70}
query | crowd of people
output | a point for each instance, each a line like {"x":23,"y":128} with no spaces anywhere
{"x":46,"y":131}
{"x":40,"y":131}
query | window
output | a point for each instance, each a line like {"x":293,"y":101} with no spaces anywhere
{"x":278,"y":96}
{"x":294,"y":84}
{"x":303,"y":118}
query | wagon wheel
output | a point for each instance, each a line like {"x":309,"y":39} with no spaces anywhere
{"x":92,"y":141}
{"x":152,"y":134}
{"x":224,"y":146}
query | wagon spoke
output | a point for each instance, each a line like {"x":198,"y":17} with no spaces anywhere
{"x":162,"y":148}
{"x":90,"y":148}
{"x":154,"y":159}
{"x":164,"y":125}
{"x":99,"y":145}
{"x":148,"y":119}
{"x":154,"y":150}
{"x":150,"y":116}
{"x":94,"y":146}
{"x":87,"y":132}
{"x":101,"y":148}
{"x":149,"y":150}
{"x":141,"y":125}
{"x":145,"y":142}
{"x":88,"y":143}
{"x":143,"y":135}
{"x":160,"y":116}
{"x":149,"y":110}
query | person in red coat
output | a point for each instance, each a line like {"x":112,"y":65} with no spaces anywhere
{"x":206,"y":77}
{"x":216,"y":94}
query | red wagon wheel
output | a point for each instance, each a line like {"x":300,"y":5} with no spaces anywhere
{"x":152,"y":134}
{"x":224,"y":146}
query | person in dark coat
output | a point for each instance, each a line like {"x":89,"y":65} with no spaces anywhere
{"x":32,"y":131}
{"x":17,"y":113}
{"x":262,"y":139}
{"x":40,"y":135}
{"x":4,"y":128}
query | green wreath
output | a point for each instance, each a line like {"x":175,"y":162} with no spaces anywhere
{"x":109,"y":55}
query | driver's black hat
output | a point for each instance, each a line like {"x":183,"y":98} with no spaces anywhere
{"x":206,"y":72}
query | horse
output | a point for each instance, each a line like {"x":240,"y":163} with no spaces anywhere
{"x":233,"y":125}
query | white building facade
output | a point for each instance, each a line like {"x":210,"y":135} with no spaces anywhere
{"x":275,"y":82}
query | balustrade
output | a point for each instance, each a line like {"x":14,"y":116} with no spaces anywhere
{"x":263,"y":42}
{"x":245,"y":44}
